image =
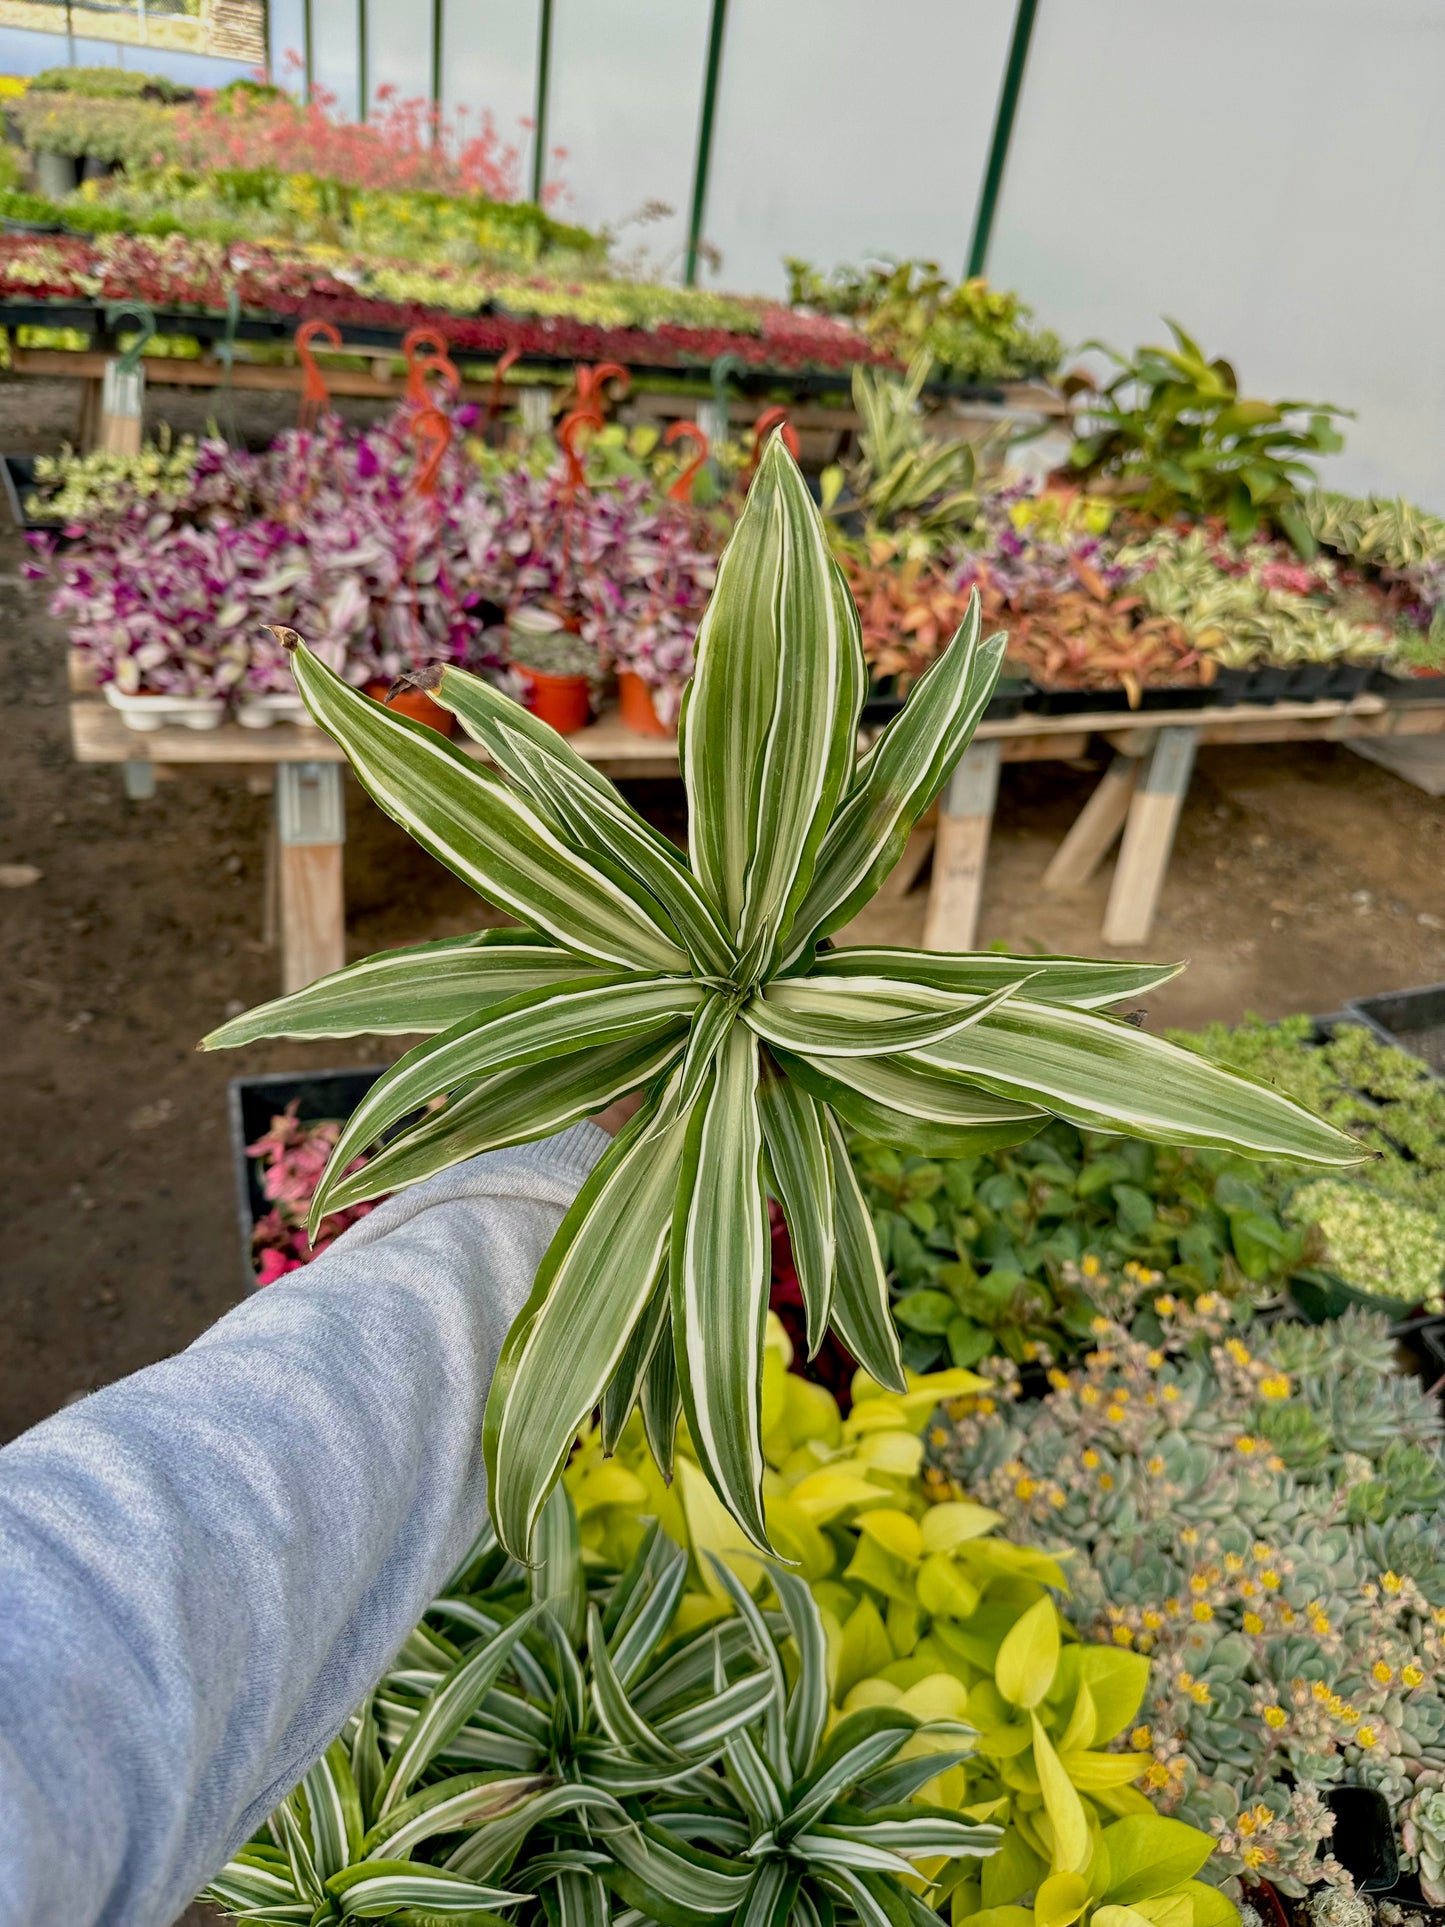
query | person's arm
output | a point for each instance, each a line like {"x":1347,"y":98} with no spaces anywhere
{"x":205,"y":1567}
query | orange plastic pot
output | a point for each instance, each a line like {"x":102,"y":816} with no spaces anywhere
{"x":637,"y":709}
{"x":417,"y":706}
{"x":563,"y":701}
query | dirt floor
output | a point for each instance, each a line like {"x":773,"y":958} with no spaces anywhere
{"x":1302,"y":876}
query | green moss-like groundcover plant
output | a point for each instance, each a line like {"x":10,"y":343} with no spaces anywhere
{"x":705,"y":983}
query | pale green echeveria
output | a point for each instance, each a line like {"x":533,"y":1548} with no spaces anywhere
{"x":700,"y":981}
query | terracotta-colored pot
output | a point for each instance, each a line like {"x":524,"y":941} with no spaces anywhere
{"x":563,"y":701}
{"x":417,"y":706}
{"x":638,"y":711}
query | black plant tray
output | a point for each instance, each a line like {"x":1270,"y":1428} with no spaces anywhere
{"x":1010,"y":698}
{"x":48,"y":314}
{"x":17,"y":474}
{"x":252,"y":1102}
{"x":1411,"y":1020}
{"x":1364,"y":1837}
{"x":1058,"y":700}
{"x":1407,"y":689}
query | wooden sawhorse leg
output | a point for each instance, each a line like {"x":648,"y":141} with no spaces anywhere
{"x":1149,"y":835}
{"x":960,"y":851}
{"x":310,"y":838}
{"x":1098,"y":823}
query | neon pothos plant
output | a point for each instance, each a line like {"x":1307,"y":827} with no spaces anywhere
{"x":703,"y":982}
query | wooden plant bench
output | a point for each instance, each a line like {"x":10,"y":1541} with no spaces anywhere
{"x":1140,"y":796}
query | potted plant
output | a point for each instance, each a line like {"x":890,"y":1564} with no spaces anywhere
{"x":559,"y":667}
{"x":704,"y":984}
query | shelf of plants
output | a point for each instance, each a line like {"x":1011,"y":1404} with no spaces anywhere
{"x":326,"y":531}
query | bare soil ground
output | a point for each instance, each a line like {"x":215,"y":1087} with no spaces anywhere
{"x":1301,"y":876}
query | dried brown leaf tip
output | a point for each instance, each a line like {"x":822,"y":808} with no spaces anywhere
{"x":287,"y":638}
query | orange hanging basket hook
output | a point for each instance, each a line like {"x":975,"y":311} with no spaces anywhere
{"x":426,"y":354}
{"x":314,"y":392}
{"x":590,"y":381}
{"x":571,"y":426}
{"x":770,"y":419}
{"x":431,"y":430}
{"x":508,"y":360}
{"x":681,"y":490}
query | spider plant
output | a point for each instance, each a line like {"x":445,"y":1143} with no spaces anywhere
{"x":477,"y":1776}
{"x":704,"y":983}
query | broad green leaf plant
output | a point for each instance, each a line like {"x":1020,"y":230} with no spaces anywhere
{"x":706,"y":984}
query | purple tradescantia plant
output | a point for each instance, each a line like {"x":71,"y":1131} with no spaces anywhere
{"x":324,"y":530}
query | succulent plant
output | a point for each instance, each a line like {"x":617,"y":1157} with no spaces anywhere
{"x":1257,"y":1510}
{"x":703,"y":984}
{"x":1381,"y":1244}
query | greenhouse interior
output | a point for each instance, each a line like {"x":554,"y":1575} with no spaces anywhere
{"x":876,"y":578}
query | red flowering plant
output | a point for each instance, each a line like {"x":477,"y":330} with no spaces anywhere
{"x":292,"y":1156}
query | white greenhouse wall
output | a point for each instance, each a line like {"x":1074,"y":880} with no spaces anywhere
{"x":1270,"y":173}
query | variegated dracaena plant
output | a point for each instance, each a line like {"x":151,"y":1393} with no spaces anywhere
{"x":704,"y":982}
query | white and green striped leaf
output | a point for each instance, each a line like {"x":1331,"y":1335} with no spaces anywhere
{"x":775,"y":1734}
{"x":720,"y":1262}
{"x":728,"y":709}
{"x":897,"y":780}
{"x":637,"y":1632}
{"x":899,"y":1102}
{"x":1052,"y":980}
{"x":860,"y":1744}
{"x":424,"y":988}
{"x":773,"y":1895}
{"x":914,"y":1831}
{"x":491,"y":1848}
{"x":662,"y":1400}
{"x":538,"y":1026}
{"x":462,"y":1802}
{"x":801,"y":1176}
{"x":669,"y":1881}
{"x":1107,"y":1076}
{"x":861,"y":1313}
{"x":624,"y":1388}
{"x":513,"y":1107}
{"x":863,"y":1016}
{"x":488,"y":836}
{"x":559,"y":1585}
{"x":587,"y":810}
{"x":380,"y":1887}
{"x":591,"y":1288}
{"x":700,"y":1730}
{"x":807,"y":1716}
{"x":333,"y":1809}
{"x":446,"y":1712}
{"x":621,"y":1721}
{"x":809,"y":751}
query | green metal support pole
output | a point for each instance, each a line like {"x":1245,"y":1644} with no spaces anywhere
{"x":437,"y":11}
{"x":697,"y":212}
{"x":1003,"y":127}
{"x":544,"y":83}
{"x":363,"y":84}
{"x":308,"y":45}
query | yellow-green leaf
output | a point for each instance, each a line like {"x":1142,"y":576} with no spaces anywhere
{"x":1029,"y":1655}
{"x":945,"y":1590}
{"x":1062,"y":1804}
{"x":1060,"y":1900}
{"x":948,"y":1525}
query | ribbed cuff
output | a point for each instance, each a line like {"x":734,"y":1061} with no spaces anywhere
{"x":571,"y":1154}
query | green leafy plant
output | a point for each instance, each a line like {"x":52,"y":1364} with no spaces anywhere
{"x":974,"y":332}
{"x":703,"y":984}
{"x":1177,"y":437}
{"x":108,"y":83}
{"x":904,"y":482}
{"x":1370,"y":529}
{"x":557,"y":1737}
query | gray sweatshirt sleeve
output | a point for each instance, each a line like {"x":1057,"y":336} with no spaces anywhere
{"x":205,"y":1567}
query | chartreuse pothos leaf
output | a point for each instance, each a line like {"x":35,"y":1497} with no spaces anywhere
{"x":720,"y":1281}
{"x":591,"y":1288}
{"x":533,"y":1028}
{"x":1052,"y":980}
{"x":585,"y":809}
{"x":513,"y":1107}
{"x":1106,"y":1075}
{"x":489,"y":836}
{"x":898,"y":779}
